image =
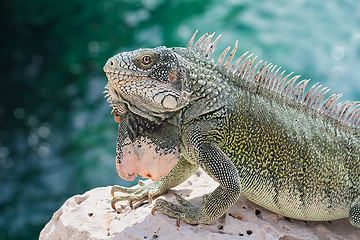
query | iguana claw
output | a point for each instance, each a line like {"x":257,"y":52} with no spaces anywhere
{"x":189,"y":212}
{"x":136,"y":194}
{"x":150,"y":198}
{"x":153,"y":211}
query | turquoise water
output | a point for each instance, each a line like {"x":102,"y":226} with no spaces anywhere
{"x":57,"y":137}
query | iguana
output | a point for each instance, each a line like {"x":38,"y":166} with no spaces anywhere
{"x":252,"y":131}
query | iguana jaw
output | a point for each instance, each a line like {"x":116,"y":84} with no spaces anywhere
{"x":138,"y":88}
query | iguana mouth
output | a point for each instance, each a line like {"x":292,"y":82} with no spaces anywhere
{"x":125,"y":78}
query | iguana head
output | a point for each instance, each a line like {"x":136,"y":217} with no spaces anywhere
{"x":147,"y":82}
{"x":146,"y":87}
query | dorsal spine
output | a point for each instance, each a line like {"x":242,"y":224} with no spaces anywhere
{"x":267,"y":78}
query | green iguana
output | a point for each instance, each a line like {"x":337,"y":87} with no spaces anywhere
{"x":253,"y":132}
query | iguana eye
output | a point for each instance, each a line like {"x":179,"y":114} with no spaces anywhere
{"x":146,"y":60}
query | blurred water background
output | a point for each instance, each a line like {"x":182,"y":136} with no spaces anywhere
{"x":57,"y":137}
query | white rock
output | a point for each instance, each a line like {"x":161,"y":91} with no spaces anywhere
{"x":90,"y":216}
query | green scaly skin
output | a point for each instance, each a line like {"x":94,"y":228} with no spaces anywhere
{"x":277,"y":151}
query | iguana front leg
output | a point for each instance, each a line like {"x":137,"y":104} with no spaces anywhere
{"x":181,"y":171}
{"x":218,"y":165}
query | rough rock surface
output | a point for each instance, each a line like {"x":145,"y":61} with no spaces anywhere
{"x":90,"y":216}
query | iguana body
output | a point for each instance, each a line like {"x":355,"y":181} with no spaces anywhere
{"x":252,"y":131}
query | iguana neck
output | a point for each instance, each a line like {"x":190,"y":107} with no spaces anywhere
{"x":207,"y":85}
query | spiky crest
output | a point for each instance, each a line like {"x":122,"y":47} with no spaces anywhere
{"x":266,"y":77}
